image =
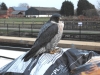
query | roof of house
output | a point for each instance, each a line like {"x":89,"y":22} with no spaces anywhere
{"x":17,"y":12}
{"x":46,"y":8}
{"x":20,"y":8}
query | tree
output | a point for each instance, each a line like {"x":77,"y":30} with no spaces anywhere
{"x":90,"y":13}
{"x":0,"y":6}
{"x":98,"y":5}
{"x":84,"y":5}
{"x":3,"y":6}
{"x":91,"y":6}
{"x":98,"y":8}
{"x":67,"y":8}
{"x":23,"y":5}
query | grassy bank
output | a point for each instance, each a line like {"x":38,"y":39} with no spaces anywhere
{"x":24,"y":20}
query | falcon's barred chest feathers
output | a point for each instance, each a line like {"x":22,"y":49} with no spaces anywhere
{"x":48,"y":37}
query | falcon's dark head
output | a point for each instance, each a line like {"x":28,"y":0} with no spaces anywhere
{"x":55,"y":17}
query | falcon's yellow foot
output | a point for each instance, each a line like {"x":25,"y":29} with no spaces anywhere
{"x":55,"y":51}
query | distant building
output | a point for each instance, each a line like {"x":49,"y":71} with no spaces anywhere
{"x":3,"y":14}
{"x":41,"y":11}
{"x":17,"y":11}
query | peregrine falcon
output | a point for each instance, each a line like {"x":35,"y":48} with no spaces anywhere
{"x":48,"y":37}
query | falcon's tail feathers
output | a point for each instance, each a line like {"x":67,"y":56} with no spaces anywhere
{"x":31,"y":53}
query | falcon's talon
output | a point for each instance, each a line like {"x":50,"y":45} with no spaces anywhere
{"x":55,"y":51}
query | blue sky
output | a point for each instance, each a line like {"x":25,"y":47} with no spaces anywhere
{"x":44,"y":3}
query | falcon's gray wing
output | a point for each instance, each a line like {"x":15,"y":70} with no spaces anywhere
{"x":44,"y":38}
{"x":44,"y":27}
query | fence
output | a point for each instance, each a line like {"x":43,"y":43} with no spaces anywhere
{"x":86,"y":25}
{"x":88,"y":31}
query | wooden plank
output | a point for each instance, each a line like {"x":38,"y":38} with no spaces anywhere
{"x":63,"y":43}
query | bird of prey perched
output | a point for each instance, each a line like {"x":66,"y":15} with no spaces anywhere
{"x":48,"y":37}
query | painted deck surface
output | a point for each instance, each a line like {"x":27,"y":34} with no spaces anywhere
{"x":8,"y":53}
